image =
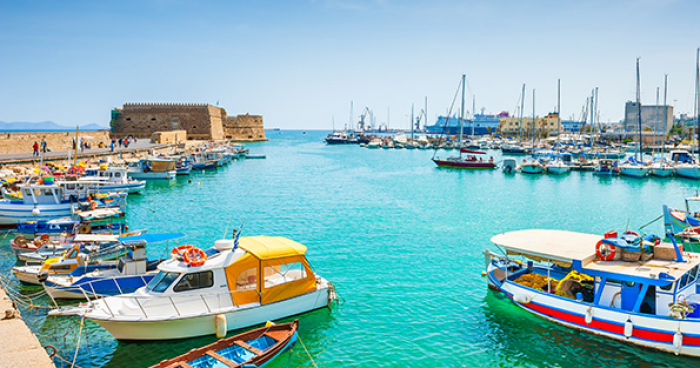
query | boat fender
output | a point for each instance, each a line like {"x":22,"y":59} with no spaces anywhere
{"x":521,"y":298}
{"x":220,"y":326}
{"x":36,"y":212}
{"x":677,"y":342}
{"x":589,"y":315}
{"x":43,"y":276}
{"x":628,"y":329}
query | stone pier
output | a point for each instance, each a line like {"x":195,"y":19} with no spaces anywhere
{"x":18,"y":345}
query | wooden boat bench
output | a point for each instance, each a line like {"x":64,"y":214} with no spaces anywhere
{"x":242,"y":344}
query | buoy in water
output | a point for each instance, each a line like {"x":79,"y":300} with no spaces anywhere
{"x":189,"y":180}
{"x":483,"y":273}
{"x":269,"y":323}
{"x":200,"y":183}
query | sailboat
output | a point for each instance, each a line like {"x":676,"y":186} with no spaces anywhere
{"x":633,"y":166}
{"x":472,"y":160}
{"x":532,"y":166}
{"x":558,"y":166}
{"x":683,"y":162}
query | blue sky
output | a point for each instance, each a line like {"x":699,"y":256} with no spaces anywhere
{"x":300,"y":63}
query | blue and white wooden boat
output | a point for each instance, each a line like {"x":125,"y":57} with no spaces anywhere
{"x":133,"y":271}
{"x":638,"y":291}
{"x":41,"y":202}
{"x":255,"y":348}
{"x":201,"y":162}
{"x":152,"y":169}
{"x":112,"y":179}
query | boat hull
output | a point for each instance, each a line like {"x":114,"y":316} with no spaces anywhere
{"x":688,"y":172}
{"x":531,"y":169}
{"x":661,"y":171}
{"x":11,"y":213}
{"x":202,"y":325}
{"x":465,"y":164}
{"x":558,"y":170}
{"x":647,"y":331}
{"x":634,"y":172}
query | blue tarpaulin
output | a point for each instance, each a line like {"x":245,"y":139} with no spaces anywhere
{"x":151,"y":238}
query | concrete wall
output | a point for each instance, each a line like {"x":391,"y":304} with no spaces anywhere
{"x":173,"y":136}
{"x":245,"y":128}
{"x":659,"y":118}
{"x":56,"y":141}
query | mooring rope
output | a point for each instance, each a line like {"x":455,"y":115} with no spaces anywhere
{"x":77,"y":346}
{"x":307,"y":352}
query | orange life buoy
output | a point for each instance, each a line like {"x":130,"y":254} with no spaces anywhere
{"x":631,"y":233}
{"x":195,"y":257}
{"x":179,"y":251}
{"x":606,"y":251}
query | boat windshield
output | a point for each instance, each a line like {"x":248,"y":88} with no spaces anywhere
{"x":161,"y":282}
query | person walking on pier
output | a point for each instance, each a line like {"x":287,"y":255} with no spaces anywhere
{"x":36,"y":149}
{"x":43,"y":145}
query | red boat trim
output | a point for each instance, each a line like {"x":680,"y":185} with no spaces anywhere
{"x":616,"y":328}
{"x":466,"y":150}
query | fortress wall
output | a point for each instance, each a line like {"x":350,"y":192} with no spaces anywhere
{"x":199,"y":120}
{"x":245,"y":128}
{"x":56,"y":141}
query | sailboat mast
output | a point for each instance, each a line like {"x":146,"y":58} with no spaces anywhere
{"x":522,"y":107}
{"x":473,"y":115}
{"x":697,"y":96}
{"x":639,"y":113}
{"x":658,"y":119}
{"x":559,"y":106}
{"x":411,"y":123}
{"x":425,"y":123}
{"x":461,"y":116}
{"x":533,"y":123}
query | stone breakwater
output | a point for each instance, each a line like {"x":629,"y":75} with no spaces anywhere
{"x":55,"y":141}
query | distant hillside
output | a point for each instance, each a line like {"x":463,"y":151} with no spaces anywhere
{"x":44,"y":125}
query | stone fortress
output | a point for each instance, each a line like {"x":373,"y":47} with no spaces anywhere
{"x":199,"y":121}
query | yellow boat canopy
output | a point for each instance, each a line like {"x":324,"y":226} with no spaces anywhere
{"x":271,"y":247}
{"x":273,"y":269}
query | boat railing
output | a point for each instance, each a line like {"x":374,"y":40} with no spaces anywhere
{"x":172,"y":301}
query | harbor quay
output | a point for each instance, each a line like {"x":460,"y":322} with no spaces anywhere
{"x":19,"y":347}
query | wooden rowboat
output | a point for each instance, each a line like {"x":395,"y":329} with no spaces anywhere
{"x":254,"y":348}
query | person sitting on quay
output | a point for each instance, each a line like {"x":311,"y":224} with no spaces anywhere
{"x":36,"y":149}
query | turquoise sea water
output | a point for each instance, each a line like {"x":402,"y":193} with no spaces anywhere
{"x":401,"y":240}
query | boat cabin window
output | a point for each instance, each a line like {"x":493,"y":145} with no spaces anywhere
{"x":280,"y":274}
{"x":161,"y":282}
{"x":248,"y":279}
{"x":192,"y":281}
{"x":73,"y":253}
{"x":117,"y":175}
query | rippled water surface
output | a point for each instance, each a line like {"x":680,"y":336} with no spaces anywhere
{"x":401,"y":240}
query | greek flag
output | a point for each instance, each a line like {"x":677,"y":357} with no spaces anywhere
{"x":237,"y":234}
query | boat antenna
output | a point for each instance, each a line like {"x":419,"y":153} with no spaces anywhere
{"x":533,"y":123}
{"x":227,"y":224}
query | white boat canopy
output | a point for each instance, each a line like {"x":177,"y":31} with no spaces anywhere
{"x":558,"y":246}
{"x":95,"y":238}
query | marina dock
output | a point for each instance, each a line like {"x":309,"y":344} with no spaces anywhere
{"x":19,"y":347}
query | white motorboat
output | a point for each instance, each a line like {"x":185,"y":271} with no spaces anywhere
{"x":374,"y":143}
{"x":684,"y":164}
{"x":223,"y":289}
{"x":661,"y":167}
{"x":557,"y":167}
{"x":510,"y":165}
{"x":531,"y":166}
{"x":633,"y":168}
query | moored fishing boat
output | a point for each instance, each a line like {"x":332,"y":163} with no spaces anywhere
{"x":152,"y":168}
{"x":605,"y":167}
{"x":264,"y":278}
{"x":631,"y":289}
{"x":470,"y":161}
{"x":255,"y":348}
{"x":112,"y":179}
